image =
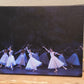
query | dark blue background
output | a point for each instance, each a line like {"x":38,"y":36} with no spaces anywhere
{"x":57,"y":26}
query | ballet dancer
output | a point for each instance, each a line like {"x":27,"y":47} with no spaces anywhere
{"x":4,"y":57}
{"x":54,"y":62}
{"x":11,"y":60}
{"x":32,"y":62}
{"x":73,"y":59}
{"x":22,"y":59}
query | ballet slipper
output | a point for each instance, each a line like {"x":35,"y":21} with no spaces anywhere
{"x":11,"y":67}
{"x":34,"y":70}
{"x":56,"y":70}
{"x":65,"y":68}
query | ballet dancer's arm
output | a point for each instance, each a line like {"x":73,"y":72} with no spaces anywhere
{"x":27,"y":49}
{"x":1,"y":51}
{"x":56,"y":53}
{"x":81,"y":47}
{"x":45,"y":49}
{"x":18,"y":52}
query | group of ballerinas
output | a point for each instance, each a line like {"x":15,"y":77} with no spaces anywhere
{"x":9,"y":61}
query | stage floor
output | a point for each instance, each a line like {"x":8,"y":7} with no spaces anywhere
{"x":43,"y":71}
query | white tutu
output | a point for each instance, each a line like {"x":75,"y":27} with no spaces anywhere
{"x":54,"y":62}
{"x":61,"y":57}
{"x":11,"y":60}
{"x":4,"y":59}
{"x":21,"y":59}
{"x":33,"y":63}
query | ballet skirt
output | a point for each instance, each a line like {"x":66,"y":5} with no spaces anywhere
{"x":61,"y":57}
{"x":22,"y":59}
{"x":32,"y":63}
{"x":73,"y":59}
{"x":11,"y":60}
{"x":4,"y":59}
{"x":54,"y":62}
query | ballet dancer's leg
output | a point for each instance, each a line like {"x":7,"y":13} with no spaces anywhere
{"x":11,"y":67}
{"x":56,"y":70}
{"x":64,"y":67}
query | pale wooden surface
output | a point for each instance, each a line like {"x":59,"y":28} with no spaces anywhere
{"x":40,"y":2}
{"x":25,"y":79}
{"x":28,"y":79}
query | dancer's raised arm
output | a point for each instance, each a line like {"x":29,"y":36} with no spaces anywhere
{"x":27,"y":49}
{"x":81,"y":47}
{"x":45,"y":48}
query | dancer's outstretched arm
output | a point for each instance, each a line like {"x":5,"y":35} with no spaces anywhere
{"x":45,"y":48}
{"x":56,"y":53}
{"x":17,"y":52}
{"x":1,"y":51}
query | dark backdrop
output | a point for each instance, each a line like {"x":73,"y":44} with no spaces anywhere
{"x":50,"y":26}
